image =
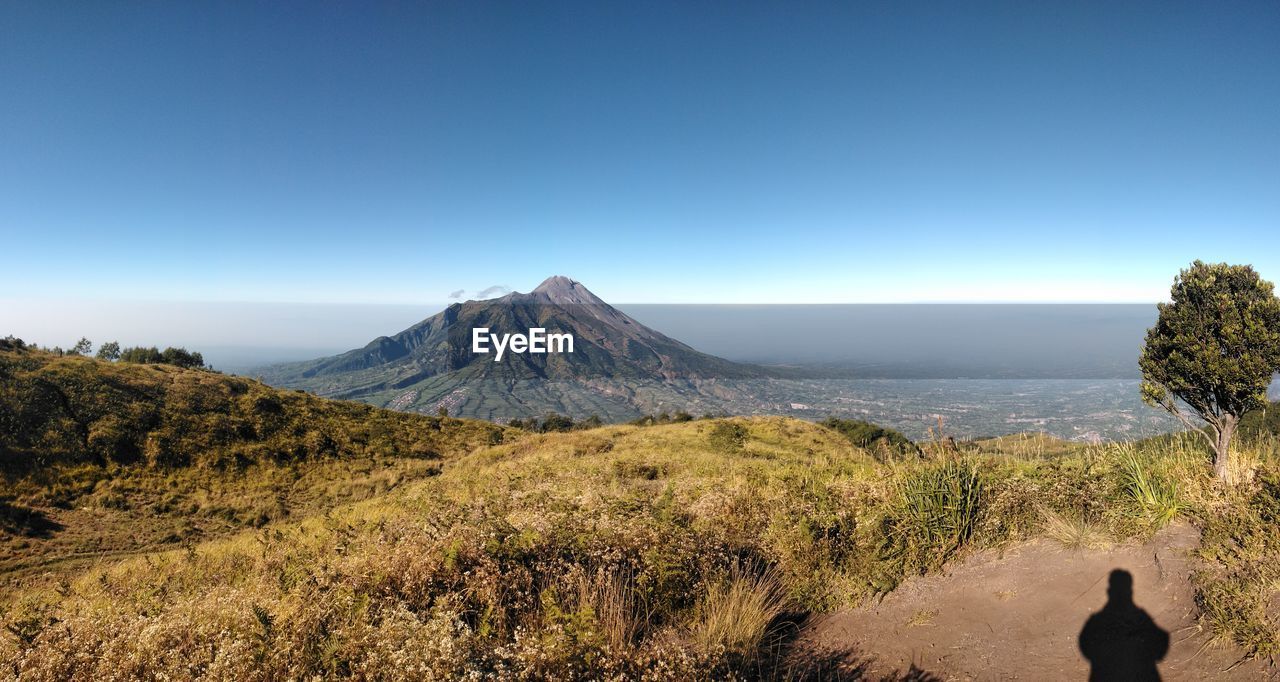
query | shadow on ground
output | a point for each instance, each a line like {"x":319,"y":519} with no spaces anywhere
{"x":1121,"y":641}
{"x":809,"y":664}
{"x":26,"y":522}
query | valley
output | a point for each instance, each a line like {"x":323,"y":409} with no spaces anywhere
{"x":625,"y":370}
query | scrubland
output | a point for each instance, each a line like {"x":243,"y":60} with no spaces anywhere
{"x":426,"y":548}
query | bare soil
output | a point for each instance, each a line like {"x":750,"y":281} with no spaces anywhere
{"x":1019,"y":615}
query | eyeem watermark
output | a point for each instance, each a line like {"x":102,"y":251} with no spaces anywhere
{"x":536,"y":341}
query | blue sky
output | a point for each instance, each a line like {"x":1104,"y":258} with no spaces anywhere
{"x":683,"y":152}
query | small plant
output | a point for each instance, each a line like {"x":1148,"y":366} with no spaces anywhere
{"x":1236,"y":589}
{"x":921,"y":618}
{"x":736,"y":614}
{"x":882,"y":443}
{"x":1072,"y":530}
{"x":937,"y":512}
{"x":1154,"y":494}
{"x":612,"y":597}
{"x":728,"y":437}
{"x":27,"y":620}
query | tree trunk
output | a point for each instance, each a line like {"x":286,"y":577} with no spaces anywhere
{"x":1221,"y":445}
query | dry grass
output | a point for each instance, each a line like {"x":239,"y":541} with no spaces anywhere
{"x":1072,"y":530}
{"x":614,"y":602}
{"x":669,"y":552}
{"x":921,"y":618}
{"x":1025,"y":445}
{"x":737,"y":612}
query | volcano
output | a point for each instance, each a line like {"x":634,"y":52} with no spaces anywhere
{"x":618,"y":368}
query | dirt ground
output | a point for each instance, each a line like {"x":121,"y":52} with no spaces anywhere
{"x":1020,"y":615}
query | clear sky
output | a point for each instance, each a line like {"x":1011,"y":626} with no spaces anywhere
{"x":683,"y":152}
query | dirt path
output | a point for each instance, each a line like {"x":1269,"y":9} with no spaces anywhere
{"x":1020,"y":615}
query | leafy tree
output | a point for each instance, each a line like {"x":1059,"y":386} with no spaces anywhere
{"x":1214,"y":349}
{"x":556,"y":422}
{"x":109,"y":351}
{"x":140,"y":355}
{"x":182,"y":357}
{"x":83,"y":347}
{"x":170,"y":356}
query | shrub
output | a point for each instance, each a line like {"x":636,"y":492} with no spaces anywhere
{"x":728,"y":437}
{"x":881,"y":442}
{"x":1153,"y":493}
{"x":1072,"y":530}
{"x":936,"y":513}
{"x":737,"y":613}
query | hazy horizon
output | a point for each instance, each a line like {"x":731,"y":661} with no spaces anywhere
{"x":897,"y":340}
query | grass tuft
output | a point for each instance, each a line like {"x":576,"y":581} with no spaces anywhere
{"x":937,"y":512}
{"x":1154,"y":493}
{"x":736,"y":615}
{"x":1072,"y":530}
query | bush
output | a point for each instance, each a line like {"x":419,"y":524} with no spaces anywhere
{"x":179,"y":357}
{"x":728,"y":437}
{"x":936,"y":513}
{"x":737,"y":613}
{"x":1153,"y":493}
{"x":879,"y":441}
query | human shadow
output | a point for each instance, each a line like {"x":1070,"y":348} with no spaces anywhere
{"x":1121,"y":641}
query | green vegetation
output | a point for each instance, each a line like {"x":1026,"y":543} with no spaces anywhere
{"x":665,"y":418}
{"x":114,"y":457}
{"x":1155,"y":494}
{"x":934,"y":513}
{"x":109,"y":351}
{"x":555,"y":422}
{"x":1239,"y":587}
{"x":886,"y":443}
{"x":413,"y":547}
{"x":178,"y":357}
{"x":1215,"y":348}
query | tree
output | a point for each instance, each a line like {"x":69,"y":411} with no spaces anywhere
{"x":1214,"y":349}
{"x":109,"y":351}
{"x":141,"y":355}
{"x":556,"y":422}
{"x":182,"y":358}
{"x":83,"y":347}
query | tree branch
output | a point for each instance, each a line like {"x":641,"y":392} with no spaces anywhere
{"x":1171,"y":406}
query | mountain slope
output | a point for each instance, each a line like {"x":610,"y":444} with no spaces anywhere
{"x":619,"y":368}
{"x":112,"y":458}
{"x":707,"y":549}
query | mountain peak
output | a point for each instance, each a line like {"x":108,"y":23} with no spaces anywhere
{"x":435,"y":360}
{"x":561,"y":289}
{"x":556,"y":283}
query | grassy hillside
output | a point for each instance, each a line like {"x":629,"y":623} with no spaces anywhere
{"x":99,"y":459}
{"x":684,"y":550}
{"x":220,"y":540}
